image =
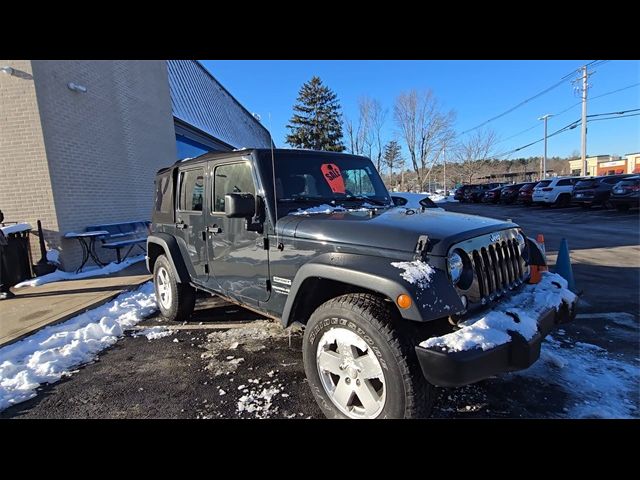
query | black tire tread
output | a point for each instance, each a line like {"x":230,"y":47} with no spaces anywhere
{"x":184,"y":294}
{"x":376,"y":311}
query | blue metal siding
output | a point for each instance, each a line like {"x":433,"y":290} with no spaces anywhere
{"x":199,"y":100}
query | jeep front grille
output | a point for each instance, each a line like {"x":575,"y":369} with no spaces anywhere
{"x":497,"y":266}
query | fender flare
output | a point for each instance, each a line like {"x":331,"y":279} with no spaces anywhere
{"x":171,"y":249}
{"x":375,"y":274}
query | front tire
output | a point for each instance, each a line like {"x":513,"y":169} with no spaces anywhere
{"x":176,"y":301}
{"x":359,"y":366}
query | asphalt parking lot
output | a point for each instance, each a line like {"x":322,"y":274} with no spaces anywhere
{"x":229,"y":363}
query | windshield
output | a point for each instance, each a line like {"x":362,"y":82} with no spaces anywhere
{"x":343,"y":179}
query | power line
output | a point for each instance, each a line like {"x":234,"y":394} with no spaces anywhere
{"x":616,"y":91}
{"x":613,"y":113}
{"x":614,"y":118}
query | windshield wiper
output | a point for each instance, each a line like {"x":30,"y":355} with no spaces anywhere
{"x":307,"y":199}
{"x":366,"y":199}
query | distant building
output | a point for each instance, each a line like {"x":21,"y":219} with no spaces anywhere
{"x":607,"y":165}
{"x":81,"y":140}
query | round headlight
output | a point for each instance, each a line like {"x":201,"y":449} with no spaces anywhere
{"x":455,"y":267}
{"x":521,"y":241}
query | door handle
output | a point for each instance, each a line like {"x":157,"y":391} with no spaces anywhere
{"x":215,"y":229}
{"x":181,"y":225}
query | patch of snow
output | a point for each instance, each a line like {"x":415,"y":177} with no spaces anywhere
{"x":324,"y":208}
{"x":18,"y":227}
{"x":57,"y":350}
{"x":258,"y":402}
{"x":153,"y":333}
{"x":53,"y":256}
{"x":416,"y":271}
{"x":175,"y":340}
{"x":597,"y":385}
{"x":221,"y":392}
{"x":59,"y":275}
{"x":490,"y":329}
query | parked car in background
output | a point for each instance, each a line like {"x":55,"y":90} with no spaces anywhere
{"x":554,"y":191}
{"x":596,"y":190}
{"x":525,"y":193}
{"x":492,"y":196}
{"x":413,"y":200}
{"x":509,"y":193}
{"x":460,"y":191}
{"x":475,"y":193}
{"x":626,"y":193}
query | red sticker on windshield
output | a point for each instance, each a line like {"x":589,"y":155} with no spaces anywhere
{"x":333,"y":176}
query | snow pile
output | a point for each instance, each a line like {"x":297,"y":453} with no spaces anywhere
{"x":58,"y":275}
{"x":18,"y":227}
{"x":490,"y":329}
{"x":324,"y":208}
{"x":258,"y":402}
{"x":415,"y":272}
{"x":153,"y":333}
{"x":597,"y":385}
{"x":55,"y":351}
{"x":53,"y":256}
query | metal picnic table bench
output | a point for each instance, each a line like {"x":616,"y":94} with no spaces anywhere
{"x":121,"y":235}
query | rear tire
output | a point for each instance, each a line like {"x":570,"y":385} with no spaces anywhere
{"x":350,"y":335}
{"x":176,"y":301}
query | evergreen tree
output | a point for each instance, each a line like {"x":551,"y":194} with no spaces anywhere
{"x":392,"y":156}
{"x":317,"y":119}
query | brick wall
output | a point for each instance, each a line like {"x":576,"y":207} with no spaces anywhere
{"x":103,"y":146}
{"x":25,"y":187}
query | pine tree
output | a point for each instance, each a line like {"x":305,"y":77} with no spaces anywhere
{"x":392,"y":156}
{"x":317,"y":119}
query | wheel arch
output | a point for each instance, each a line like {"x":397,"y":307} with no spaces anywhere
{"x":165,"y":244}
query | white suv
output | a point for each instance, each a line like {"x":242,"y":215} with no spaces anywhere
{"x":554,"y":191}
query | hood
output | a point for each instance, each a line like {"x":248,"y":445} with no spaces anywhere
{"x":391,"y":229}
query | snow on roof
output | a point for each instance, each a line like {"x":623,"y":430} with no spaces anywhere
{"x":18,"y":227}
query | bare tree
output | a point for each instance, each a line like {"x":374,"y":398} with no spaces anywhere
{"x":425,"y":129}
{"x":473,"y":153}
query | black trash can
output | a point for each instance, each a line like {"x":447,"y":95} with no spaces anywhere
{"x":16,"y":258}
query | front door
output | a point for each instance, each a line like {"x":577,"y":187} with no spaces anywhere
{"x":190,"y":220}
{"x":238,"y":261}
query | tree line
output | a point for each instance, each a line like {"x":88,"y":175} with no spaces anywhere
{"x":424,"y":135}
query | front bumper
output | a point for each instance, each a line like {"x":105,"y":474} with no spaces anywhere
{"x":458,"y":368}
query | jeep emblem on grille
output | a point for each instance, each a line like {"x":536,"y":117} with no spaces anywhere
{"x":495,"y":237}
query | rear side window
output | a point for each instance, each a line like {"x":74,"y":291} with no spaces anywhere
{"x":191,"y":190}
{"x":163,"y":193}
{"x":231,"y":178}
{"x":611,"y":181}
{"x":565,"y":182}
{"x":543,"y":183}
{"x":586,"y":183}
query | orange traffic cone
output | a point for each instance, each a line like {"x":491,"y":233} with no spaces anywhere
{"x":536,"y":270}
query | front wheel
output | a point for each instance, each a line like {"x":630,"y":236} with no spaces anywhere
{"x":175,"y":300}
{"x":359,"y":366}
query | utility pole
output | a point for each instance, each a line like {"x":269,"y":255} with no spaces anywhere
{"x":444,"y":170}
{"x":544,"y":159}
{"x":584,"y":121}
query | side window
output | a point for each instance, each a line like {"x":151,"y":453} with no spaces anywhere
{"x":191,"y":190}
{"x":612,"y":181}
{"x":231,"y":178}
{"x":163,"y":195}
{"x":564,"y":183}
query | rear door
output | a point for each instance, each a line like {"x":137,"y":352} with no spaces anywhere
{"x":238,"y":260}
{"x":190,"y":220}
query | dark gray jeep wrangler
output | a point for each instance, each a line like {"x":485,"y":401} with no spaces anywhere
{"x":395,"y":300}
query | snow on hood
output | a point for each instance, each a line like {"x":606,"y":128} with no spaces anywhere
{"x":325,"y":208}
{"x":415,"y":272}
{"x":489,"y":330}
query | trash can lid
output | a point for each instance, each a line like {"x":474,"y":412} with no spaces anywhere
{"x":17,"y":228}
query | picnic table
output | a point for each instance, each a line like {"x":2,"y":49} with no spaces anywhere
{"x":88,"y":243}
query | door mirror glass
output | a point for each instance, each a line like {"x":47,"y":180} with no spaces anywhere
{"x":239,"y":205}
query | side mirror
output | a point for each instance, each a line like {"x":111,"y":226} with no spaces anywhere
{"x":239,"y":205}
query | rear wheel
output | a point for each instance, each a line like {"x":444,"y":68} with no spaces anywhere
{"x":176,"y":301}
{"x":359,"y":366}
{"x":563,"y":200}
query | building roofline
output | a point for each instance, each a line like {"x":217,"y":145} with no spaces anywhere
{"x":632,"y":153}
{"x":234,"y":98}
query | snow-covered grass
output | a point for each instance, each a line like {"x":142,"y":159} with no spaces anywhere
{"x":153,"y":333}
{"x":490,"y":329}
{"x":415,"y":272}
{"x":597,"y":384}
{"x":325,"y":208}
{"x":55,"y":351}
{"x":18,"y":227}
{"x":58,"y":275}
